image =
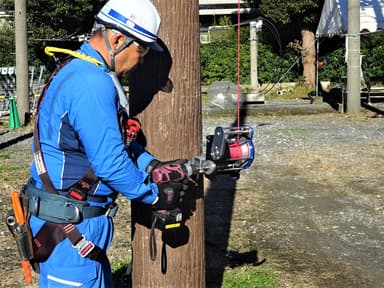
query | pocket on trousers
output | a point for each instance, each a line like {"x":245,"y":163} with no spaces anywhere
{"x":75,"y":276}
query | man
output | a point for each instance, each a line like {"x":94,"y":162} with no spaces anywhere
{"x":78,"y":130}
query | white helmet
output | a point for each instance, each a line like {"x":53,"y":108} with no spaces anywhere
{"x":135,"y":18}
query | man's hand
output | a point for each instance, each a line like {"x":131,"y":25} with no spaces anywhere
{"x":167,"y":172}
{"x":170,"y":194}
{"x":171,"y":178}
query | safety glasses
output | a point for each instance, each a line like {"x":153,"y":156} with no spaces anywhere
{"x":143,"y":49}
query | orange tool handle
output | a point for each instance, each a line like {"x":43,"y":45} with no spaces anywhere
{"x":19,"y":214}
{"x":27,"y":271}
{"x":17,"y":208}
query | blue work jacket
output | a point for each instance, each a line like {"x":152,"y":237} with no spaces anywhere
{"x":78,"y":125}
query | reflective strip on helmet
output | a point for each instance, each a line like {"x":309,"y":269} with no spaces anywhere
{"x":129,"y":24}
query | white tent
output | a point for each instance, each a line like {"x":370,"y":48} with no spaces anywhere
{"x":334,"y":21}
{"x":334,"y":17}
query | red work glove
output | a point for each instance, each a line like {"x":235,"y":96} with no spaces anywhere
{"x":170,"y":171}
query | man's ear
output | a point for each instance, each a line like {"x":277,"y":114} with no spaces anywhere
{"x":117,"y":39}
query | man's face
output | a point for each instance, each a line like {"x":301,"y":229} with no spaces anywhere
{"x":129,"y":57}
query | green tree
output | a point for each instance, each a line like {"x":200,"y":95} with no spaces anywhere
{"x":219,"y":61}
{"x":372,"y":50}
{"x":70,"y":17}
{"x":7,"y":44}
{"x":50,"y":22}
{"x":334,"y":67}
{"x":303,"y":17}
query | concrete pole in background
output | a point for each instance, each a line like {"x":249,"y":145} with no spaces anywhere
{"x":253,"y":54}
{"x":255,"y":27}
{"x":353,"y":72}
{"x":21,"y":60}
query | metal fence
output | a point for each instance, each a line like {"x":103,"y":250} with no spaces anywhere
{"x":8,"y":85}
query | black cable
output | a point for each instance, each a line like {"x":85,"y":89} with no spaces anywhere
{"x":164,"y":258}
{"x":152,"y":240}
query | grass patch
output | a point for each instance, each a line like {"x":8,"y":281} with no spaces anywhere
{"x":293,"y":131}
{"x":14,"y":169}
{"x":204,"y":98}
{"x":292,"y":93}
{"x":5,"y":156}
{"x":240,"y":277}
{"x":120,"y":277}
{"x":8,"y":169}
{"x":250,"y":277}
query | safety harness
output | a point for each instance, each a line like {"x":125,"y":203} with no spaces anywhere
{"x":62,"y":212}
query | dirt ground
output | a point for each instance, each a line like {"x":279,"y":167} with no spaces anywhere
{"x":311,"y":205}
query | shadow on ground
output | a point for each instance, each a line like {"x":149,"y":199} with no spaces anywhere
{"x":219,"y":204}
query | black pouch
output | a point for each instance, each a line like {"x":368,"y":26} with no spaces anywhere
{"x":46,"y":240}
{"x":43,"y":243}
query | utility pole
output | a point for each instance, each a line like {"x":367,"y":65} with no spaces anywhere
{"x":172,"y":125}
{"x":255,"y":27}
{"x":21,"y":60}
{"x":354,"y":62}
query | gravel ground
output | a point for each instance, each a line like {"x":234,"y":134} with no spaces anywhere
{"x":312,"y":204}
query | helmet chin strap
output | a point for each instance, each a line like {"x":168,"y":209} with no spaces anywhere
{"x":112,"y":53}
{"x":120,"y":91}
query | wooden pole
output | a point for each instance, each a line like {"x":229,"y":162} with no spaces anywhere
{"x":172,"y":126}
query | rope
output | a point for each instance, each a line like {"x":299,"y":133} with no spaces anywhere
{"x":238,"y":65}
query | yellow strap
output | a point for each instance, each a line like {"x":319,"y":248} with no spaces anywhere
{"x":50,"y":51}
{"x":171,"y":226}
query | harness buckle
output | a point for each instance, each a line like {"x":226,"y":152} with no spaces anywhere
{"x":77,"y":213}
{"x":84,"y":247}
{"x":112,"y":210}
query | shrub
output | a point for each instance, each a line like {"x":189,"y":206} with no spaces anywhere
{"x":219,"y":62}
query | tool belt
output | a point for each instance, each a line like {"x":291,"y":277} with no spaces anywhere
{"x":63,"y":210}
{"x":61,"y":213}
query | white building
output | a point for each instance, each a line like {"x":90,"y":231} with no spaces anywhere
{"x":221,"y":7}
{"x":210,"y":11}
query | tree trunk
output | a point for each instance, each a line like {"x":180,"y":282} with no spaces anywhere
{"x":173,"y":126}
{"x":309,"y":58}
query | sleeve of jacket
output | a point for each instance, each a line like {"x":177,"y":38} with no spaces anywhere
{"x":141,"y":157}
{"x":93,"y":112}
